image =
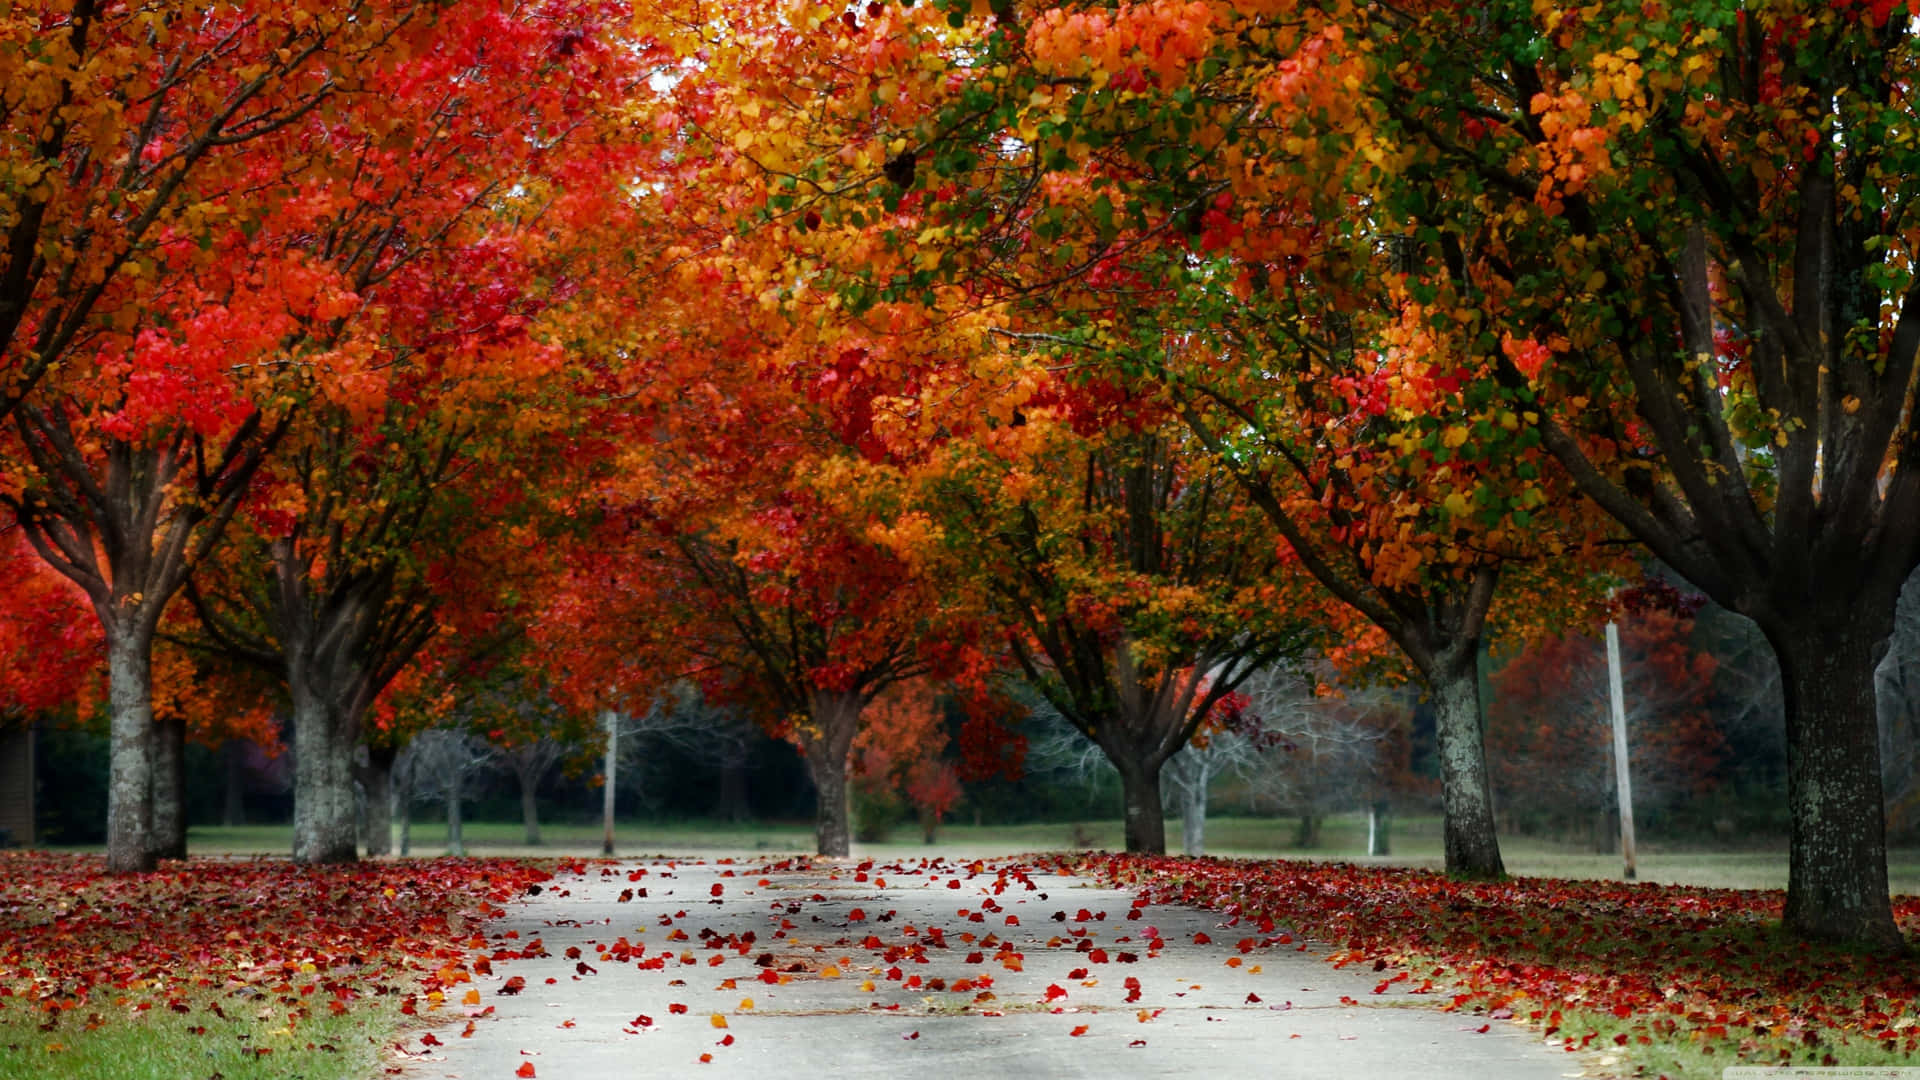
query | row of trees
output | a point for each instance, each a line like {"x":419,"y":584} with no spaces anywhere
{"x":812,"y":354}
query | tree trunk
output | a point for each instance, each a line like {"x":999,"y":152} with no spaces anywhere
{"x":733,"y":803}
{"x":169,"y":837}
{"x":404,"y":800}
{"x":833,"y":827}
{"x":1472,"y":846}
{"x":1306,"y":835}
{"x":529,"y":805}
{"x":376,"y":778}
{"x":836,"y":718}
{"x":233,"y":811}
{"x":1193,"y":815}
{"x":1837,"y":866}
{"x":130,"y":781}
{"x":1379,"y":820}
{"x":324,"y":829}
{"x":1146,"y":819}
{"x":456,"y":843}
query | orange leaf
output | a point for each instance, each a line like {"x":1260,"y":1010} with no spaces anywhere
{"x":525,"y":1069}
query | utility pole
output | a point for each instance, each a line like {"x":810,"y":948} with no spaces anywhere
{"x":612,"y":719}
{"x":1620,"y":773}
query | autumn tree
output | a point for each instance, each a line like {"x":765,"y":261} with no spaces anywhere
{"x":401,"y":477}
{"x":1686,"y":233}
{"x":1551,"y":725}
{"x":129,"y":138}
{"x":1337,"y":746}
{"x":1231,"y":741}
{"x":725,"y":552}
{"x":1129,"y":188}
{"x":900,"y":761}
{"x":219,"y":319}
{"x":1136,"y":584}
{"x":49,"y":638}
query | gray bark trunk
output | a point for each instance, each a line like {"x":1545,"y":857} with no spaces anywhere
{"x":1837,"y":867}
{"x":323,"y":800}
{"x":1472,"y":845}
{"x":836,"y":716}
{"x":456,"y":842}
{"x":1306,"y":833}
{"x":376,"y":779}
{"x":1379,"y":820}
{"x":530,"y":807}
{"x":404,"y":800}
{"x":169,"y":837}
{"x":733,"y":803}
{"x":1193,"y":815}
{"x":130,"y":769}
{"x":1146,"y":819}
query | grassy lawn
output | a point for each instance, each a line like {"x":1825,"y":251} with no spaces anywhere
{"x":1416,"y":843}
{"x":257,"y":1042}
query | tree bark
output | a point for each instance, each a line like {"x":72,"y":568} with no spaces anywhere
{"x":529,"y":806}
{"x":130,"y":770}
{"x":1146,"y":819}
{"x":733,"y":803}
{"x":404,"y":799}
{"x":324,"y":829}
{"x":1837,"y":869}
{"x":1193,"y":815}
{"x":1472,"y":844}
{"x":169,"y":837}
{"x":836,"y":718}
{"x":1306,"y":835}
{"x":376,"y":779}
{"x":456,"y":841}
{"x":1379,"y":821}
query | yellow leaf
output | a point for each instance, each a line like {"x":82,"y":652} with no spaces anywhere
{"x":745,"y":1004}
{"x":829,"y":972}
{"x":1453,"y":436}
{"x":717,"y":1020}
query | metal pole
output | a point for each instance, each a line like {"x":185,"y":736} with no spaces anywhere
{"x":612,"y":718}
{"x":1620,"y":772}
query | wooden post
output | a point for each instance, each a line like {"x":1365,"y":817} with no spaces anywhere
{"x":1622,"y":780}
{"x":612,"y":718}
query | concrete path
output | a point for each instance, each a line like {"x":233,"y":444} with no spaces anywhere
{"x":757,"y":968}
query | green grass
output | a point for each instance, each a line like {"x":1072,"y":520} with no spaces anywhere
{"x":257,"y":1042}
{"x":1416,"y":842}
